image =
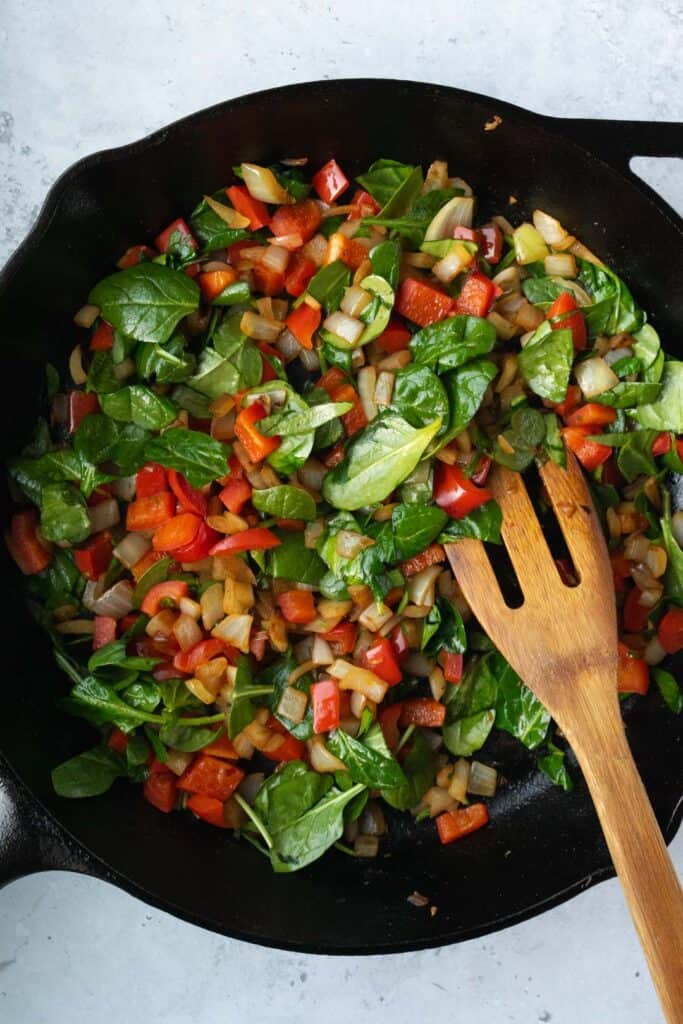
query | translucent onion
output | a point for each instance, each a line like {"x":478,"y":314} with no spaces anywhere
{"x":86,"y":316}
{"x":458,"y":212}
{"x":419,"y":665}
{"x":508,"y":280}
{"x":116,"y":602}
{"x":124,"y":487}
{"x":235,"y":630}
{"x":374,"y":616}
{"x":384,"y":388}
{"x":613,"y":355}
{"x":550,"y":229}
{"x":313,"y":533}
{"x":636,"y":548}
{"x":289,"y":242}
{"x":323,"y":760}
{"x":178,"y":760}
{"x":452,"y":264}
{"x":346,"y":328}
{"x":560,"y":264}
{"x":654,"y":652}
{"x":460,"y":779}
{"x":316,"y":249}
{"x":483,"y":779}
{"x":352,"y":677}
{"x":355,"y":300}
{"x":436,"y":176}
{"x":275,"y":258}
{"x":594,"y":376}
{"x":124,"y":369}
{"x":348,"y":543}
{"x":503,"y":328}
{"x":211,"y":604}
{"x":437,"y":800}
{"x":250,"y":785}
{"x":76,"y":627}
{"x":227,"y":214}
{"x":293,"y":704}
{"x":421,"y":586}
{"x":262,"y":184}
{"x":437,"y":683}
{"x":78,"y":374}
{"x":677,"y":526}
{"x":260,"y":328}
{"x":372,"y":821}
{"x":104,"y":515}
{"x":581,"y":296}
{"x":309,"y":359}
{"x":131,"y":549}
{"x":321,"y":653}
{"x":187,"y":632}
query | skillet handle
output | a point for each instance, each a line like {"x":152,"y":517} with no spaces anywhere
{"x":617,"y":142}
{"x":30,"y":840}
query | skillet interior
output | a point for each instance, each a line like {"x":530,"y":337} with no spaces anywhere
{"x":543,"y":845}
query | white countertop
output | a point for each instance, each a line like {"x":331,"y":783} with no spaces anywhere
{"x":78,"y":77}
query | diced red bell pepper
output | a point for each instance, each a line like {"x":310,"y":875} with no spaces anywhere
{"x":634,"y":673}
{"x":355,"y":419}
{"x":160,"y":790}
{"x":481,"y":473}
{"x":394,"y":338}
{"x":189,"y":498}
{"x":334,"y":456}
{"x":453,"y":825}
{"x":81,"y":404}
{"x":268,"y":353}
{"x":342,"y":637}
{"x":254,"y":209}
{"x":199,"y":547}
{"x":422,"y":303}
{"x":662,"y":443}
{"x":365,"y":205}
{"x":149,"y":480}
{"x":400,"y":643}
{"x":591,"y":415}
{"x":476,"y":295}
{"x":303,"y":322}
{"x":332,"y":379}
{"x":24,"y":544}
{"x":102,"y":338}
{"x":326,"y":705}
{"x":430,"y":556}
{"x":455,"y":494}
{"x":466,"y":234}
{"x":590,"y":454}
{"x":564,"y":313}
{"x":298,"y":219}
{"x":176,"y":532}
{"x":670,"y":631}
{"x":299,"y":272}
{"x":213,"y":282}
{"x":94,"y":558}
{"x":105,"y":631}
{"x":133,"y":255}
{"x":156,"y":647}
{"x":208,"y":809}
{"x":117,"y":740}
{"x":350,"y":251}
{"x":330,"y":181}
{"x":423,"y":711}
{"x":163,"y":240}
{"x":257,"y":445}
{"x":235,"y":494}
{"x":491,"y":243}
{"x":267,"y":280}
{"x":235,"y":251}
{"x":297,"y":605}
{"x":145,"y":563}
{"x":388,"y":722}
{"x":257,"y":538}
{"x":380,"y":658}
{"x":291,"y":749}
{"x":221,"y":747}
{"x":621,"y":571}
{"x":452,"y":666}
{"x":211,"y":776}
{"x":635,"y":615}
{"x":189,"y":661}
{"x":572,"y":401}
{"x":168,"y":590}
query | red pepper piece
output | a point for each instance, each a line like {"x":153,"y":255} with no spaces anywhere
{"x":326,"y":705}
{"x":330,"y":181}
{"x":454,"y":825}
{"x":455,"y":494}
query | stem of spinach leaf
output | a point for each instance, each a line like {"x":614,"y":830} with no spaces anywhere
{"x":405,"y":737}
{"x":251,"y":813}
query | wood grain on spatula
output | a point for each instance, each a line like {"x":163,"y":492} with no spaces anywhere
{"x":562,"y":641}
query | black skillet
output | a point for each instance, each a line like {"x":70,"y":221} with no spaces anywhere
{"x":542,"y":846}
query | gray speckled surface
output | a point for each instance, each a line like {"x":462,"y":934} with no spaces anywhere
{"x":75,"y":78}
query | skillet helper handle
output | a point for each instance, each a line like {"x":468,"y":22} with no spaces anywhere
{"x":29,"y":840}
{"x":617,"y":142}
{"x":641,"y":859}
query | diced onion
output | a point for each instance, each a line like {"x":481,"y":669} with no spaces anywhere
{"x":613,"y":355}
{"x":211,"y":604}
{"x":300,"y":671}
{"x":421,"y":586}
{"x":384,"y":388}
{"x":654,"y":652}
{"x":594,"y":376}
{"x":275,"y":258}
{"x":352,"y":677}
{"x":348,"y":543}
{"x":550,"y":229}
{"x":86,"y":316}
{"x":323,"y":760}
{"x":321,"y":653}
{"x":124,"y":487}
{"x":372,"y":821}
{"x":78,"y":374}
{"x":503,"y":328}
{"x":262,"y":184}
{"x":458,"y":212}
{"x":346,"y":328}
{"x":508,"y":280}
{"x":186,"y":631}
{"x":250,"y":785}
{"x":453,"y":263}
{"x":227,"y":214}
{"x":560,"y":264}
{"x":459,"y":783}
{"x":579,"y":293}
{"x":656,"y":560}
{"x":116,"y":602}
{"x":190,"y":607}
{"x":437,"y":682}
{"x":131,"y":549}
{"x":293,"y":704}
{"x":260,"y":328}
{"x":289,"y":242}
{"x":436,"y":176}
{"x":316,"y":249}
{"x":76,"y":627}
{"x":461,"y":184}
{"x":437,"y":800}
{"x":178,"y":760}
{"x":355,"y":300}
{"x":235,"y":630}
{"x":483,"y":779}
{"x":374,"y":616}
{"x":309,"y":360}
{"x":288,"y":346}
{"x":104,"y":515}
{"x":419,"y":664}
{"x":313,"y":532}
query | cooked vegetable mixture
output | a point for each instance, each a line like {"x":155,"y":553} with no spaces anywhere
{"x":233,"y":519}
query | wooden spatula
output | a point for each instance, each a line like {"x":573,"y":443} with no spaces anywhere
{"x":562,"y":641}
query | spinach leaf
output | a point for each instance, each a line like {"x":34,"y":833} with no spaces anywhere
{"x":53,"y":467}
{"x":99,"y":704}
{"x":96,"y":438}
{"x":415,"y":528}
{"x":470,"y":708}
{"x":211,"y":230}
{"x":146,"y":301}
{"x":61,"y":583}
{"x":412,"y":225}
{"x":518,"y":711}
{"x":114,"y":654}
{"x":197,"y":405}
{"x":63,"y":514}
{"x":451,"y":343}
{"x":277,"y":677}
{"x":545,"y":364}
{"x":308,"y":836}
{"x":186,"y":737}
{"x":419,"y":397}
{"x":386,"y":261}
{"x":542,"y":291}
{"x":377,"y":460}
{"x":669,"y":690}
{"x":553,"y":447}
{"x":88,"y":774}
{"x":289,"y":793}
{"x":285,"y":502}
{"x":302,"y":420}
{"x":627,"y":394}
{"x":635,"y":455}
{"x":466,"y":735}
{"x":328,"y":284}
{"x":242,"y":709}
{"x":614,"y":309}
{"x":144,"y":694}
{"x":392,"y":184}
{"x":369,"y":565}
{"x":102,"y":377}
{"x":200,"y":458}
{"x":673,"y":577}
{"x":648,"y":350}
{"x":368,"y":761}
{"x":292,"y":560}
{"x":483,"y":523}
{"x":138,"y":404}
{"x":553,"y":765}
{"x":443,"y":629}
{"x":294,"y":449}
{"x":465,"y":389}
{"x":666,"y":413}
{"x":419,"y":769}
{"x":215,"y":375}
{"x":168,"y":364}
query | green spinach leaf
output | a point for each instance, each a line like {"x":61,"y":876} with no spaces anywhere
{"x":419,"y":769}
{"x":146,"y":301}
{"x":415,"y":528}
{"x":419,"y":397}
{"x":369,"y":761}
{"x":553,"y":765}
{"x":669,"y":690}
{"x":63,"y":514}
{"x":451,"y":343}
{"x":200,"y":458}
{"x":88,"y":774}
{"x":285,"y":502}
{"x":545,"y":364}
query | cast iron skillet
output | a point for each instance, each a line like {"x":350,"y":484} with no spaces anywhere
{"x":543,"y":846}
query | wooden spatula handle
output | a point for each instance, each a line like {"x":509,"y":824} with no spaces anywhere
{"x":639,"y":853}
